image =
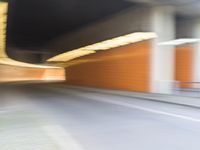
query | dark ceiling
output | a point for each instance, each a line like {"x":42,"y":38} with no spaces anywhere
{"x":32,"y":23}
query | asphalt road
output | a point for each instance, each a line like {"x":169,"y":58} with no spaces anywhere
{"x":84,"y":120}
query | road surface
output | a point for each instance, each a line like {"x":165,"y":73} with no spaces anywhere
{"x":83,"y":120}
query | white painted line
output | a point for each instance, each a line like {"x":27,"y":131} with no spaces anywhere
{"x":64,"y":140}
{"x":141,"y":108}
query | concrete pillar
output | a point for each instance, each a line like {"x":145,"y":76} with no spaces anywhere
{"x":196,"y":34}
{"x":190,"y":28}
{"x":162,"y":72}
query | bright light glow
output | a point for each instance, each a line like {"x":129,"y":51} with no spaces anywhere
{"x":180,"y":42}
{"x":72,"y":55}
{"x":3,"y":18}
{"x":105,"y":45}
{"x":8,"y":61}
{"x":3,"y":7}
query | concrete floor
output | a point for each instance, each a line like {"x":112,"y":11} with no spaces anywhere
{"x":80,"y":120}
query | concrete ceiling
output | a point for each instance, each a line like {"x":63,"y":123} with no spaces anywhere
{"x":31,"y":23}
{"x":172,"y":2}
{"x":183,"y":7}
{"x":34,"y":22}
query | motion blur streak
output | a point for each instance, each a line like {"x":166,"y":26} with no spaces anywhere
{"x":99,"y":75}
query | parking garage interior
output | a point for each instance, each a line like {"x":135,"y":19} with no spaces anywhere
{"x":99,"y":74}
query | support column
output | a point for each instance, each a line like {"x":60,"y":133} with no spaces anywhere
{"x":196,"y":67}
{"x":162,"y":72}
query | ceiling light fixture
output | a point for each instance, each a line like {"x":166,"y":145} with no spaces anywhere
{"x":105,"y":45}
{"x":3,"y":19}
{"x":11,"y":62}
{"x":180,"y":42}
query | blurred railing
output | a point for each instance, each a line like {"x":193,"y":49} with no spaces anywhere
{"x":187,"y":88}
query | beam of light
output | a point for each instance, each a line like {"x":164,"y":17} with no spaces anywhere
{"x":105,"y":45}
{"x":180,"y":42}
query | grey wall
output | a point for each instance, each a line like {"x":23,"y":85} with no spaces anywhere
{"x":25,"y":56}
{"x":131,"y":20}
{"x":185,"y":27}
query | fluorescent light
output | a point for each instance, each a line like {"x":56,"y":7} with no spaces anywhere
{"x":11,"y":62}
{"x":3,"y":7}
{"x":104,"y":45}
{"x":71,"y":55}
{"x":3,"y":18}
{"x":180,"y":42}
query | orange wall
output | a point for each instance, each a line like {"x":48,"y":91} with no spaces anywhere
{"x":184,"y":65}
{"x":125,"y":68}
{"x":13,"y":73}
